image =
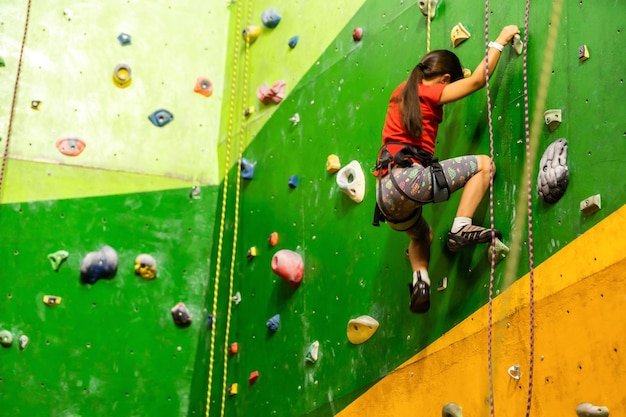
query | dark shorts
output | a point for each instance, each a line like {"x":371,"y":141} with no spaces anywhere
{"x":403,"y":213}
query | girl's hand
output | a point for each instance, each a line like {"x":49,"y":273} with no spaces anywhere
{"x":507,"y":34}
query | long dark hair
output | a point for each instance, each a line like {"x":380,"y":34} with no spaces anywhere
{"x":434,"y":63}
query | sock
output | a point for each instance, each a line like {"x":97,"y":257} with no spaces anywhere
{"x":423,"y":274}
{"x":459,"y":223}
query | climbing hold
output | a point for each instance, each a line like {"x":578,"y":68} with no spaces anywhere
{"x":351,"y":181}
{"x":161,"y":117}
{"x":270,"y":18}
{"x":467,"y":72}
{"x":145,"y":266}
{"x":361,"y":329}
{"x":35,"y":104}
{"x":233,"y":389}
{"x":591,"y":204}
{"x":552,"y":118}
{"x":273,"y":323}
{"x":209,"y":321}
{"x":273,"y":239}
{"x":247,"y":169}
{"x":236,"y":298}
{"x":203,"y":86}
{"x":313,"y":352}
{"x":293,"y":41}
{"x":252,"y":252}
{"x":249,"y":111}
{"x":2,"y":63}
{"x":514,"y":371}
{"x":181,"y":315}
{"x":122,"y":76}
{"x":124,"y":39}
{"x":6,"y":338}
{"x":332,"y":163}
{"x":295,"y":119}
{"x":501,"y":251}
{"x":233,"y":348}
{"x":251,"y":33}
{"x":451,"y":410}
{"x":195,"y":192}
{"x":288,"y":265}
{"x":424,"y":7}
{"x":293,"y":181}
{"x":459,"y":34}
{"x":68,"y":14}
{"x":553,"y":172}
{"x":518,"y":45}
{"x":583,"y":53}
{"x":57,"y":258}
{"x":51,"y":300}
{"x":590,"y":410}
{"x":357,"y":34}
{"x":443,"y":284}
{"x":97,"y":265}
{"x":71,"y":146}
{"x":23,"y":341}
{"x":268,"y":95}
{"x":254,"y":375}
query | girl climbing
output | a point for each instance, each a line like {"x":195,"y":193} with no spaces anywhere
{"x":408,"y":174}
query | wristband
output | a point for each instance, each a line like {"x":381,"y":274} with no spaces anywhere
{"x":496,"y":45}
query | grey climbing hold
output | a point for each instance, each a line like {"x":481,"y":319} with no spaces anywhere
{"x":313,"y":352}
{"x":97,"y":265}
{"x":195,"y":192}
{"x":6,"y":338}
{"x":590,"y":410}
{"x":424,"y":7}
{"x":553,"y":172}
{"x":270,"y":18}
{"x":273,"y":323}
{"x":451,"y":410}
{"x":57,"y":258}
{"x":181,"y":315}
{"x":502,"y":251}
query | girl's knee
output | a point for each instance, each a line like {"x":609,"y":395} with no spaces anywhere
{"x":485,"y":164}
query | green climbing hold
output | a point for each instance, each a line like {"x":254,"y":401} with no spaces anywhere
{"x":57,"y":258}
{"x":2,"y":64}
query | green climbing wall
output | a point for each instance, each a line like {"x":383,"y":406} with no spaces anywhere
{"x":112,"y":347}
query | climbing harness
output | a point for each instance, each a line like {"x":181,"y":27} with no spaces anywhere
{"x":405,"y":157}
{"x":5,"y":156}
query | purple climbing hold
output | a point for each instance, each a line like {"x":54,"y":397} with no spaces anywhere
{"x":181,"y":315}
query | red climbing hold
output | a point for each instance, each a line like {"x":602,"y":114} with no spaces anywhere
{"x":288,"y":265}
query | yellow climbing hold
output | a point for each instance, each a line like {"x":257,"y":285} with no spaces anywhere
{"x":361,"y":329}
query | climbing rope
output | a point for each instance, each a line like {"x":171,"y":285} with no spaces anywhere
{"x":241,"y":143}
{"x":220,"y":241}
{"x":5,"y":156}
{"x":491,"y":215}
{"x":428,"y":27}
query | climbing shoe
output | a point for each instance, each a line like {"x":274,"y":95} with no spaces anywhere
{"x":470,"y":235}
{"x":420,"y":296}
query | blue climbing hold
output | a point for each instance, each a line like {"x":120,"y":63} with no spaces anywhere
{"x":124,"y":39}
{"x":273,"y":322}
{"x":270,"y":18}
{"x":247,"y":169}
{"x":293,"y":41}
{"x":161,"y":117}
{"x":293,"y":181}
{"x":97,"y":265}
{"x":209,"y":321}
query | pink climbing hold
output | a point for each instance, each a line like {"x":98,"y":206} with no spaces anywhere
{"x":357,"y":34}
{"x":288,"y":265}
{"x":275,"y":94}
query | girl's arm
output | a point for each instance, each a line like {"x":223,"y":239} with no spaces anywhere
{"x":466,"y":86}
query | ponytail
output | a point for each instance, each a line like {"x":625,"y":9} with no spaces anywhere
{"x":411,"y":109}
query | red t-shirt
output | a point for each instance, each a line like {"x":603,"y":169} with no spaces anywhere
{"x":432,"y":115}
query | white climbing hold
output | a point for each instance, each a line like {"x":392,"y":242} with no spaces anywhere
{"x":590,"y":410}
{"x":351,"y":181}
